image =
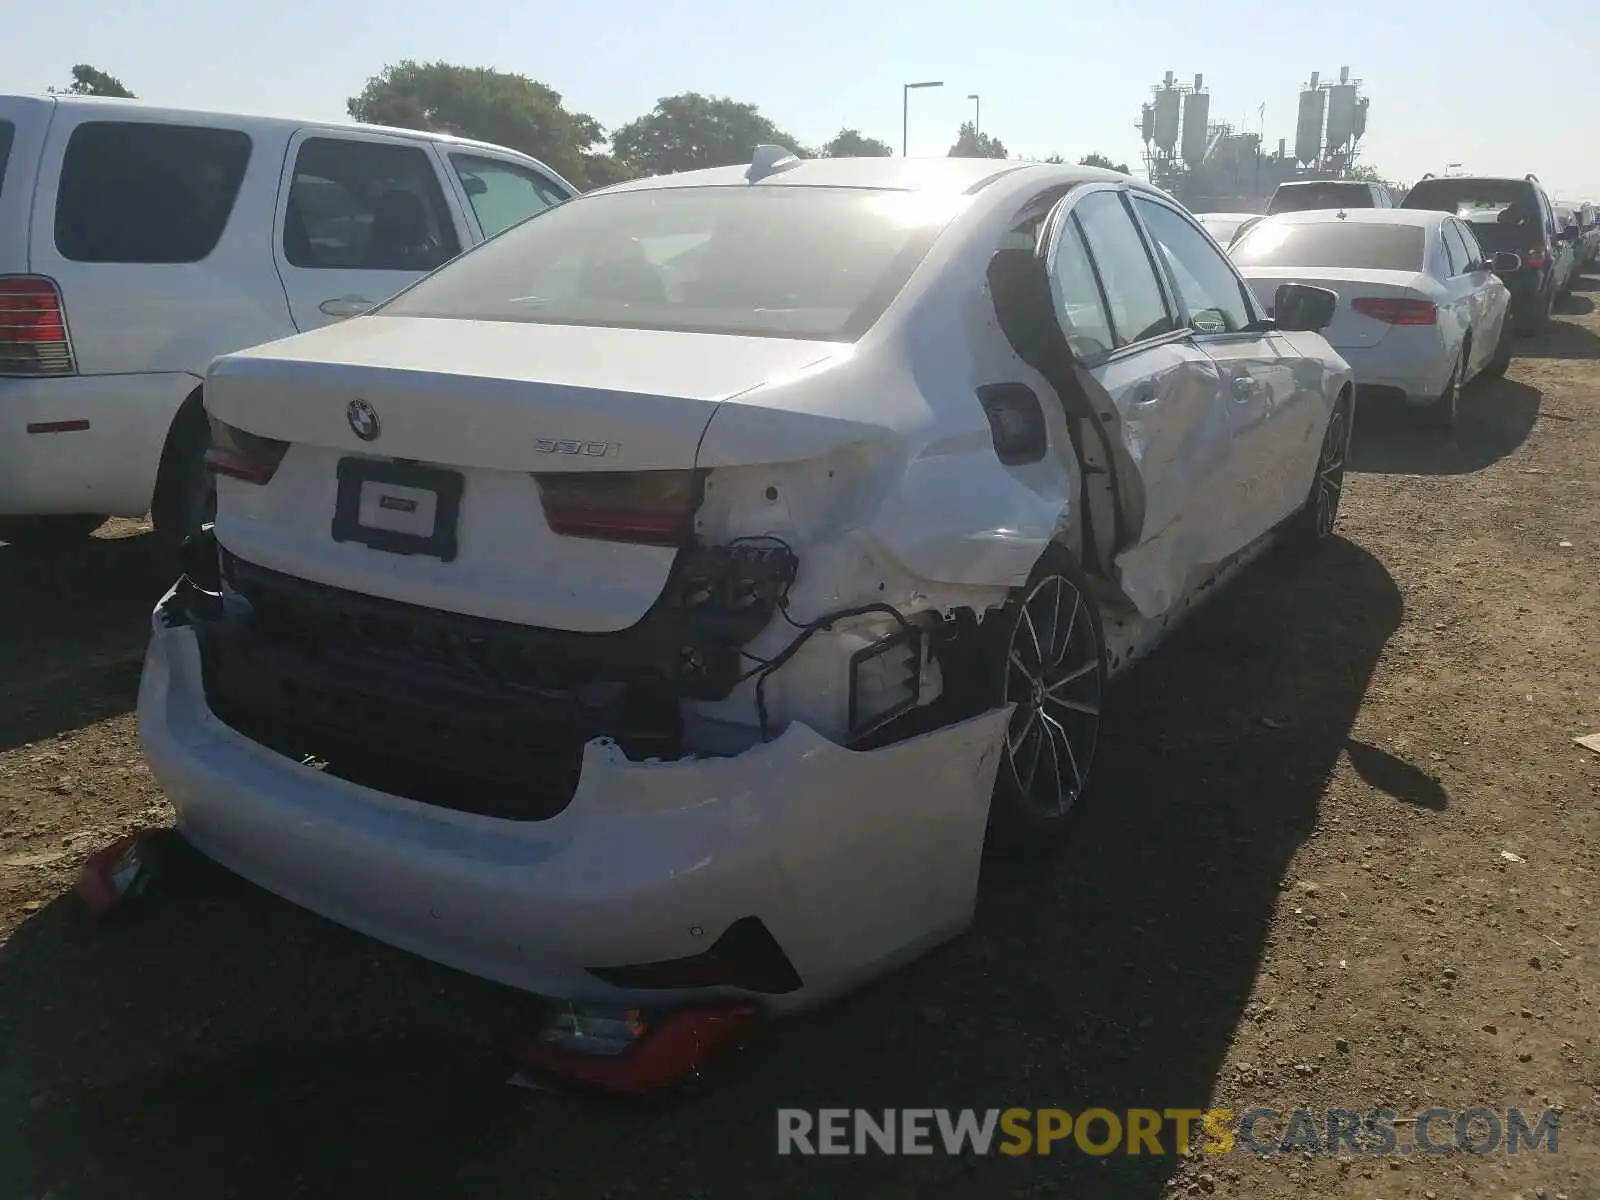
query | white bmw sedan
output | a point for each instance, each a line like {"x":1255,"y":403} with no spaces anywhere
{"x":1422,"y":311}
{"x":665,"y":600}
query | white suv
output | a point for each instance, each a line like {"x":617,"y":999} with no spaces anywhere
{"x":137,"y":243}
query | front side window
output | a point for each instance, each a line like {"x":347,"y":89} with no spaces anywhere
{"x":372,"y":206}
{"x":1461,"y":256}
{"x":137,"y":192}
{"x":502,"y":194}
{"x":796,"y":262}
{"x":1138,"y":308}
{"x":1207,"y":287}
{"x":1475,"y":254}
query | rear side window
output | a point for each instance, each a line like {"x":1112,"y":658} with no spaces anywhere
{"x":143,"y":193}
{"x":1363,"y":245}
{"x":366,"y":206}
{"x":7,"y":132}
{"x":502,"y":194}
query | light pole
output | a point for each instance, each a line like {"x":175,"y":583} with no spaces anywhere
{"x":977,"y":113}
{"x":905,"y":112}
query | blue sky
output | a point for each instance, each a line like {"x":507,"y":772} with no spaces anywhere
{"x":1448,"y":82}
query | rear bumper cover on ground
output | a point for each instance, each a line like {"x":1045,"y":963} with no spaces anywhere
{"x":854,"y":861}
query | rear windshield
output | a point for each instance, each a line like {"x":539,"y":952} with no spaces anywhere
{"x":7,"y":132}
{"x":1358,"y":245}
{"x":774,"y":261}
{"x":1302,"y":197}
{"x":1478,"y":201}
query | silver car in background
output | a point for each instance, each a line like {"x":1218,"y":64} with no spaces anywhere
{"x":1421,"y":310}
{"x":1227,"y":227}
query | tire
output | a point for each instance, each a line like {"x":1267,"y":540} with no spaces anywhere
{"x":1501,"y":362}
{"x":47,"y":535}
{"x":186,"y":492}
{"x":1441,"y":414}
{"x":1537,"y":319}
{"x":1313,"y":524}
{"x":1046,"y":763}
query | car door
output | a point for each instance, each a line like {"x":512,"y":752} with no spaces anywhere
{"x":1164,"y":392}
{"x":360,"y":216}
{"x":1274,"y":416}
{"x":497,"y":192}
{"x":1491,"y":306}
{"x":1459,"y":309}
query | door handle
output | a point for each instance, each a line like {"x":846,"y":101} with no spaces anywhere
{"x":345,"y":306}
{"x":1244,"y":387}
{"x":1146,"y":396}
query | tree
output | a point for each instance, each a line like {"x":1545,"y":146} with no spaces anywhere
{"x":690,"y":131}
{"x":91,"y":81}
{"x":491,"y":106}
{"x":851,"y":143}
{"x":1104,"y":163}
{"x":1364,"y":173}
{"x":972,"y":144}
{"x":1056,"y":159}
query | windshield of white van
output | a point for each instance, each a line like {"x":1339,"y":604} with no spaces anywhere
{"x":7,"y":132}
{"x":787,"y":262}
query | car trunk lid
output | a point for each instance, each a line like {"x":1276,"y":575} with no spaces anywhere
{"x":1350,"y":330}
{"x":532,"y":473}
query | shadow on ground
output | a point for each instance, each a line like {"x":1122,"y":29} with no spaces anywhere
{"x":218,"y":1042}
{"x":1493,"y":418}
{"x":73,"y":627}
{"x":1563,"y":339}
{"x":1575,"y":305}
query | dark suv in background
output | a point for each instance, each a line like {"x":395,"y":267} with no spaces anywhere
{"x":1506,"y":214}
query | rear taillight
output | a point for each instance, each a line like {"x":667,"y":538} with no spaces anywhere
{"x":241,"y":455}
{"x":1397,"y":312}
{"x":1535,"y":259}
{"x":33,"y":328}
{"x":652,"y":508}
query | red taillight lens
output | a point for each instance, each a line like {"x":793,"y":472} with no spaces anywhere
{"x":651,"y":508}
{"x":1397,"y":312}
{"x":241,"y":455}
{"x":33,"y":328}
{"x":1535,"y":259}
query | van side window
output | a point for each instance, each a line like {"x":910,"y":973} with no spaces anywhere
{"x":502,"y":194}
{"x":366,"y":206}
{"x":134,"y":192}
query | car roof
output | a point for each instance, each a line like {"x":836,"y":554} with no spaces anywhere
{"x":1361,"y":216}
{"x":1474,"y":179}
{"x":1295,"y":183}
{"x":149,"y":110}
{"x":1231,"y":216}
{"x":945,"y":175}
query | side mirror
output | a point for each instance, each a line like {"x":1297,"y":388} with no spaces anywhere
{"x":1505,"y":262}
{"x":473,"y":185}
{"x":1301,"y":308}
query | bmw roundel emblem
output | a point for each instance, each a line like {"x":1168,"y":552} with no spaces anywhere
{"x":363,"y":420}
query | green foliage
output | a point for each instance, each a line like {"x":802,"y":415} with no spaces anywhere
{"x":1101,"y":161}
{"x":488,"y":105}
{"x":972,"y":144}
{"x":91,"y":81}
{"x":691,"y":131}
{"x":852,"y":143}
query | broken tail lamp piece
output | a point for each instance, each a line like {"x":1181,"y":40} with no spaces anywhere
{"x":117,"y":873}
{"x":631,"y":1052}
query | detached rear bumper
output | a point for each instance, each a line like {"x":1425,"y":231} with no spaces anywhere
{"x":853,"y":861}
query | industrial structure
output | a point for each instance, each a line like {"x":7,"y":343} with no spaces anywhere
{"x":1215,"y":165}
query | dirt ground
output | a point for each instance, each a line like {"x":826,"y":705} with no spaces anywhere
{"x":1343,"y":854}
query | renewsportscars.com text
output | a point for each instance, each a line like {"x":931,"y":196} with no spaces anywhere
{"x":1099,"y":1131}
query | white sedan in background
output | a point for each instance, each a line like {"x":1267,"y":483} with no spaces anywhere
{"x":1422,"y":311}
{"x":1228,"y":227}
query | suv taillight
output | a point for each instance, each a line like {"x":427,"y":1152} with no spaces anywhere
{"x":1535,"y":259}
{"x":241,"y":455}
{"x":33,"y":328}
{"x":651,"y":508}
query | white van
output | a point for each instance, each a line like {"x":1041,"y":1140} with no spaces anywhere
{"x":137,"y":243}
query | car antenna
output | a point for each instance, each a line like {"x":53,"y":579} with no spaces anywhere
{"x":769,"y":160}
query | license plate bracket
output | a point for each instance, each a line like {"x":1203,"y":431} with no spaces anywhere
{"x":403,"y":493}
